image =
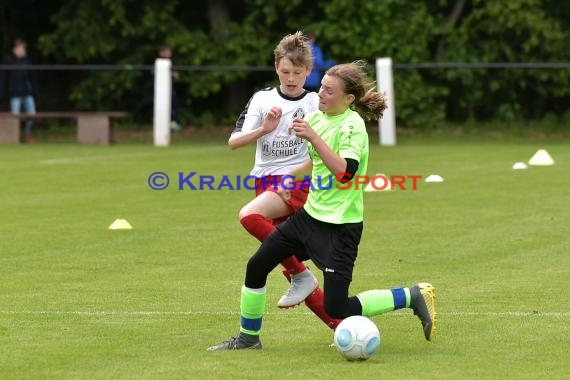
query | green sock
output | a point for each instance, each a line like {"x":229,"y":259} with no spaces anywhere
{"x":252,"y":308}
{"x":380,"y":301}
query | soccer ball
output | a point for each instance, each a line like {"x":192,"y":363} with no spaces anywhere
{"x":357,"y":338}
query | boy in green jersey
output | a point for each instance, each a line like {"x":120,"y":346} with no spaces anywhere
{"x":328,"y":228}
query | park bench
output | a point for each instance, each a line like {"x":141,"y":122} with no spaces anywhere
{"x":92,"y":127}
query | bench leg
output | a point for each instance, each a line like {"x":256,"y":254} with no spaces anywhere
{"x":94,"y":130}
{"x":9,"y":130}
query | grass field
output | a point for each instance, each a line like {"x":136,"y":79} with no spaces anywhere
{"x":80,"y":301}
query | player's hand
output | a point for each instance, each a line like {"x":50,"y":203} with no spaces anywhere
{"x":272,"y":119}
{"x":302,"y":129}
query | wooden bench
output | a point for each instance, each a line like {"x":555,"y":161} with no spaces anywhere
{"x":92,"y":127}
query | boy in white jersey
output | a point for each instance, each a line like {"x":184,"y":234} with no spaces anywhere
{"x":329,"y":227}
{"x":265,"y":121}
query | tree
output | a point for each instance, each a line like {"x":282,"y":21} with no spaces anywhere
{"x":242,"y":33}
{"x":518,"y":31}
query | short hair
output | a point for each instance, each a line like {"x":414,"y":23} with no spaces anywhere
{"x":20,"y":42}
{"x":163,"y":47}
{"x":295,"y":48}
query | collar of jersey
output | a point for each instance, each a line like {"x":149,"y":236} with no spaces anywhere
{"x":287,"y":97}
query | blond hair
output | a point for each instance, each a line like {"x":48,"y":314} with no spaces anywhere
{"x":368,"y":103}
{"x":295,"y":48}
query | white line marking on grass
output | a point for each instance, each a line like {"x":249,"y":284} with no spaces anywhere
{"x":83,"y":159}
{"x":127,"y":313}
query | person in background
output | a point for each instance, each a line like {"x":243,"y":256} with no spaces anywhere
{"x":21,"y":85}
{"x":313,"y":82}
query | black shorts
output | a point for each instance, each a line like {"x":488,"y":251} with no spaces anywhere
{"x":332,"y":247}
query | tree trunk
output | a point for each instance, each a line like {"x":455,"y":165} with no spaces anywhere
{"x":451,"y":21}
{"x":219,"y":16}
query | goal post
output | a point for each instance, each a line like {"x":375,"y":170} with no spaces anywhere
{"x":385,"y":84}
{"x":162,"y":100}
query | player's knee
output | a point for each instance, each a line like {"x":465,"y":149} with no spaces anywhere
{"x":256,"y":273}
{"x":249,"y":220}
{"x":251,"y":265}
{"x":243,"y":213}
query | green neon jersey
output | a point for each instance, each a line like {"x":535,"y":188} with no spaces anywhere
{"x":346,"y":135}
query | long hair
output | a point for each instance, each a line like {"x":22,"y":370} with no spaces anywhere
{"x":369,"y":103}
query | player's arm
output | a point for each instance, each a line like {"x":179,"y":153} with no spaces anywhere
{"x":240,"y":139}
{"x":251,"y":125}
{"x":333,"y":161}
{"x":343,"y":168}
{"x":247,"y":135}
{"x":337,"y":164}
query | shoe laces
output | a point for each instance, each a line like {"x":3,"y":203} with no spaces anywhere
{"x":231,"y":342}
{"x":296,"y":284}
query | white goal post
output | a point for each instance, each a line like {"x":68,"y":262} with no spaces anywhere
{"x":385,"y":84}
{"x":162,"y":100}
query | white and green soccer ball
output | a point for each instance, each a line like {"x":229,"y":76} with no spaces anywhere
{"x":357,"y":338}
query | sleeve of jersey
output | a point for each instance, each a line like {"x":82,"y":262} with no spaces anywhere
{"x":253,"y":116}
{"x":352,"y":139}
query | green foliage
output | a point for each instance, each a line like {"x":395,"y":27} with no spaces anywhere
{"x":244,"y":33}
{"x":508,"y":32}
{"x":405,"y":38}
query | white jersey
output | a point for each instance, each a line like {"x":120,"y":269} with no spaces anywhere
{"x":277,"y":152}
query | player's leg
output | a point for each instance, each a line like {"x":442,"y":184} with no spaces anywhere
{"x":253,"y":294}
{"x":420,"y":298}
{"x":342,"y":252}
{"x":315,"y":301}
{"x":257,"y":218}
{"x":296,"y":199}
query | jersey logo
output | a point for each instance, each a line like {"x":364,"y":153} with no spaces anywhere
{"x":299,"y":113}
{"x":266,"y":148}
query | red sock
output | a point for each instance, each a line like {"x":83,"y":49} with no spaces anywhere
{"x":261,"y":228}
{"x":257,"y":226}
{"x":316,"y":302}
{"x":293,"y":266}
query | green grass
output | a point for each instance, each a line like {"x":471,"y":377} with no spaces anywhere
{"x":80,"y":301}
